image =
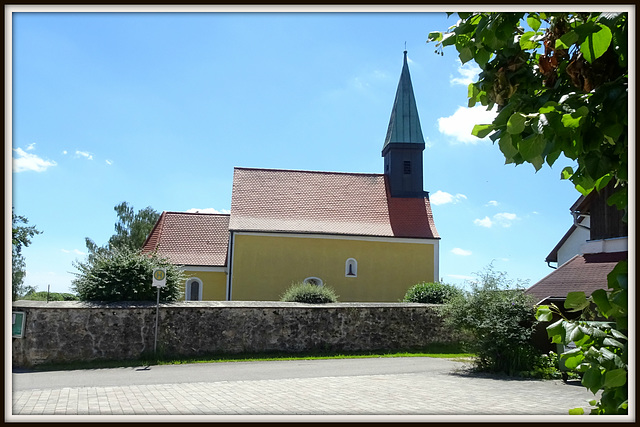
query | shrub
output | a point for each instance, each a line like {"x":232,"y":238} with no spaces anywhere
{"x":125,"y":275}
{"x":431,"y":293}
{"x":309,"y":293}
{"x":498,"y":321}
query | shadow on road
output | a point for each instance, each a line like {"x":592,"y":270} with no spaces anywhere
{"x":470,"y":372}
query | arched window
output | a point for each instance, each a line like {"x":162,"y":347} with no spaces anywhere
{"x":351,"y":268}
{"x":193,"y":289}
{"x":313,"y":280}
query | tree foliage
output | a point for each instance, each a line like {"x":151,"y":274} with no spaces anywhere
{"x":601,"y":352}
{"x":21,"y":235}
{"x":560,"y":85}
{"x":131,"y":229}
{"x":50,"y":296}
{"x":559,"y":82}
{"x":118,"y":271}
{"x":124,"y":274}
{"x":498,"y":319}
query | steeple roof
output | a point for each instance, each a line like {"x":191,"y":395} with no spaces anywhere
{"x":404,"y":125}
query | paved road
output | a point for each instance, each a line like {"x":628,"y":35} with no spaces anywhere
{"x":380,"y":386}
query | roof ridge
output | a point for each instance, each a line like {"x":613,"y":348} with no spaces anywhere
{"x":309,"y":171}
{"x":197,"y":213}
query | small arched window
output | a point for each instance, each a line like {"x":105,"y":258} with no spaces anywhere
{"x":313,"y":280}
{"x":351,"y":268}
{"x":193,"y":289}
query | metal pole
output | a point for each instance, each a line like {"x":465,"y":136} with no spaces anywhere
{"x":155,"y":341}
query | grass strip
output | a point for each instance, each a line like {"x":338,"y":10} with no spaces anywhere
{"x":440,"y":351}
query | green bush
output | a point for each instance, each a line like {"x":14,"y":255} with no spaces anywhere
{"x":53,"y":296}
{"x":309,"y":293}
{"x":498,"y":321}
{"x":125,"y":275}
{"x":431,"y":293}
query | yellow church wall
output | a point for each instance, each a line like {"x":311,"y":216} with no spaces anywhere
{"x":214,"y":284}
{"x":264,"y":266}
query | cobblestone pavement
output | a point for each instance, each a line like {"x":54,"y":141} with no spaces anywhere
{"x":438,"y":392}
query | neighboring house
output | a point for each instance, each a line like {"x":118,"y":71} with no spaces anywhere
{"x":368,"y":236}
{"x":587,"y":253}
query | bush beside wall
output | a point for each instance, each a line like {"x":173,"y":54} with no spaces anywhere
{"x":60,"y":332}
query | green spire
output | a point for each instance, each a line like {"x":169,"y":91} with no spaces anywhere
{"x":404,"y":125}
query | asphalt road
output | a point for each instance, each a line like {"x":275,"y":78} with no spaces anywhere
{"x":231,"y":371}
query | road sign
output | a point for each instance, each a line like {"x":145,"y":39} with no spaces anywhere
{"x":17,"y":324}
{"x":160,"y":277}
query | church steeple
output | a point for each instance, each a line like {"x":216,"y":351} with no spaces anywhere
{"x":404,"y":143}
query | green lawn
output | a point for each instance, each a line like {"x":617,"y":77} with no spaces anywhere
{"x":440,"y":351}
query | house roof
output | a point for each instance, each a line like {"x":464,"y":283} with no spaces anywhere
{"x":553,"y":255}
{"x":586,"y":273}
{"x":275,"y":200}
{"x":191,"y":238}
{"x":404,"y":125}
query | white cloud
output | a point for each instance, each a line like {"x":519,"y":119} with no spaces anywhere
{"x":31,"y":146}
{"x":506,"y":216}
{"x":30,"y":162}
{"x":462,"y":252}
{"x":208,"y":210}
{"x":485,"y":222}
{"x":109,"y":162}
{"x":85,"y":154}
{"x":64,"y":151}
{"x":492,"y":203}
{"x":74,"y":251}
{"x":442,"y":197}
{"x":460,"y":124}
{"x":468,"y":74}
{"x":504,"y":219}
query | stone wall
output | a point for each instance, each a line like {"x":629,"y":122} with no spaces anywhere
{"x":59,"y":332}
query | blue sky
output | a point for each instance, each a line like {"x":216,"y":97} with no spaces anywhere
{"x":156,"y":109}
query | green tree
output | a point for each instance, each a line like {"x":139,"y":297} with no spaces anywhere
{"x":118,"y":271}
{"x":497,"y":319}
{"x":49,"y":296}
{"x":131,"y":229}
{"x":123,"y":274}
{"x":559,"y":82}
{"x":560,"y":85}
{"x":21,"y":235}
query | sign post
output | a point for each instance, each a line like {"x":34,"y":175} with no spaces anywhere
{"x":159,"y":281}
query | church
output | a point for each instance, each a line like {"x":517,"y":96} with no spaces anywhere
{"x":368,"y":236}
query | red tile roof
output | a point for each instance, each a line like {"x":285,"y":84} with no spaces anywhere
{"x":276,"y":200}
{"x":586,"y":273}
{"x":191,"y":238}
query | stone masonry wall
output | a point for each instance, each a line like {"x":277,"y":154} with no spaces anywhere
{"x":59,"y":332}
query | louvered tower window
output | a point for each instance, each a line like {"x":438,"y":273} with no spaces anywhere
{"x":407,"y":167}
